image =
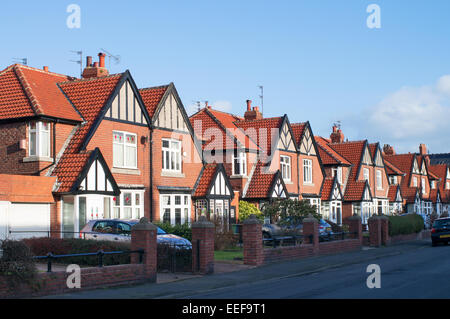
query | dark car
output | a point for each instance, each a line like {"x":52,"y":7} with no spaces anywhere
{"x":274,"y":230}
{"x":440,"y":233}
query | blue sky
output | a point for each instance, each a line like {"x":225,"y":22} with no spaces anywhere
{"x":317,"y":60}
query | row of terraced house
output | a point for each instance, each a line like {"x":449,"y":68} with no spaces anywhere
{"x":77,"y":149}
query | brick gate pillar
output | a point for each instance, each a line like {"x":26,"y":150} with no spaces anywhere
{"x":143,"y":236}
{"x":253,"y":241}
{"x":203,"y":246}
{"x":355,"y":227}
{"x":374,"y":231}
{"x":311,"y":232}
{"x":384,"y":221}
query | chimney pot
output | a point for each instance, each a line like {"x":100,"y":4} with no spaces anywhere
{"x":423,"y":149}
{"x":102,"y":57}
{"x":46,"y":68}
{"x":88,"y":61}
{"x":249,"y":105}
{"x":337,"y":136}
{"x":95,"y":64}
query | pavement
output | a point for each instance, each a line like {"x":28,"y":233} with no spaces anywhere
{"x":235,"y":280}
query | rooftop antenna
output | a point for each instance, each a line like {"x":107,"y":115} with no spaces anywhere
{"x":80,"y":61}
{"x":337,"y":124}
{"x":23,"y":60}
{"x":116,"y":58}
{"x":262,"y":98}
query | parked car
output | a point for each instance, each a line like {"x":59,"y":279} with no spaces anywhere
{"x":273,"y":230}
{"x":440,"y":232}
{"x":120,"y":230}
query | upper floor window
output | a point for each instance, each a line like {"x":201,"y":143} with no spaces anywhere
{"x":366,"y":174}
{"x":433,"y":184}
{"x":448,"y":185}
{"x":393,"y":180}
{"x":424,"y":189}
{"x":307,"y":171}
{"x":124,"y":150}
{"x":337,"y":171}
{"x":39,"y":139}
{"x":415,"y":182}
{"x":285,"y":167}
{"x":379,"y":180}
{"x":239,"y":163}
{"x":171,"y":155}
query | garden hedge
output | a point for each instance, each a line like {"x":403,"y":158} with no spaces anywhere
{"x":406,"y":224}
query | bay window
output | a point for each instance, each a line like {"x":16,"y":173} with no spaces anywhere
{"x":171,"y":155}
{"x":124,"y":150}
{"x":285,"y":167}
{"x":39,"y":139}
{"x":175,"y":208}
{"x":128,"y":205}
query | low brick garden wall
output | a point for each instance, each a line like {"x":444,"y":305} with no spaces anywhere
{"x":271,"y":255}
{"x":339,"y":246}
{"x":55,"y":282}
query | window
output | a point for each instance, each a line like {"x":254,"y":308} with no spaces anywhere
{"x":448,"y":185}
{"x":239,"y":163}
{"x":366,"y":174}
{"x":175,"y":208}
{"x":106,"y":227}
{"x":393,"y":180}
{"x":433,"y":184}
{"x":124,"y":150}
{"x":307,"y":171}
{"x":128,"y":205}
{"x":424,"y":189}
{"x":337,"y":171}
{"x":379,"y":180}
{"x":123,"y":229}
{"x":415,"y":183}
{"x":39,"y":139}
{"x":171,"y":155}
{"x":285,"y":167}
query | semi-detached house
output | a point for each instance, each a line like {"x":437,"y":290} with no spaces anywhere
{"x":106,"y":148}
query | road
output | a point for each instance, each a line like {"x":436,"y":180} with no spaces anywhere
{"x":410,"y":270}
{"x":423,"y":273}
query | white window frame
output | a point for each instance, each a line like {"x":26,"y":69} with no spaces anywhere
{"x":424,"y":188}
{"x":285,"y":167}
{"x":184,"y":205}
{"x":366,"y":174}
{"x":39,"y":132}
{"x":137,"y":209}
{"x":307,"y":171}
{"x":415,"y":181}
{"x":126,"y":147}
{"x":337,"y":171}
{"x":240,"y":159}
{"x":393,"y":180}
{"x":448,"y":184}
{"x":379,"y":180}
{"x":173,"y":153}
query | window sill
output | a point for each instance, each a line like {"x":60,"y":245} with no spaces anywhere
{"x":238,"y":176}
{"x":37,"y":159}
{"x":126,"y":171}
{"x":308,"y":184}
{"x":288,"y":182}
{"x":172,"y":174}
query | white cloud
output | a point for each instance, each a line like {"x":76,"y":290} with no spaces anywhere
{"x":412,"y":115}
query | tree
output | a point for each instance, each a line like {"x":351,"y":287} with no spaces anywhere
{"x":246,"y":209}
{"x":289,"y":212}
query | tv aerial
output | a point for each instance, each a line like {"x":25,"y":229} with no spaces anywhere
{"x":24,"y":61}
{"x":116,"y":58}
{"x":80,"y":61}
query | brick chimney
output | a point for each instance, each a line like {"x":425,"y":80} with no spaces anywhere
{"x":388,"y":150}
{"x":97,"y":69}
{"x":337,"y":136}
{"x":46,"y":68}
{"x":423,"y":149}
{"x":252,"y":114}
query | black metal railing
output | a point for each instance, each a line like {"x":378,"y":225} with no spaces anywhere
{"x":288,"y":240}
{"x":100,"y":254}
{"x":174,"y":257}
{"x":337,"y":236}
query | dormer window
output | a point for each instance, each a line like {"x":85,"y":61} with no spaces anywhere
{"x":366,"y":173}
{"x":39,"y":139}
{"x":239,"y":163}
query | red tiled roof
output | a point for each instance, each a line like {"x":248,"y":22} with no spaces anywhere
{"x":205,"y":180}
{"x":264,"y":131}
{"x":392,"y":169}
{"x":352,"y":151}
{"x":327,"y":188}
{"x":440,"y":170}
{"x":261,"y":182}
{"x":26,"y":91}
{"x":89,"y":96}
{"x":328,"y":155}
{"x":152,"y":96}
{"x":354,"y":191}
{"x":392,"y":194}
{"x":298,"y":129}
{"x":404,"y":163}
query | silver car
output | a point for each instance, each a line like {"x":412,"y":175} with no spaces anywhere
{"x":120,"y":230}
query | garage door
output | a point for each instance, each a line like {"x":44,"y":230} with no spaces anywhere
{"x":29,"y":220}
{"x":3,"y":220}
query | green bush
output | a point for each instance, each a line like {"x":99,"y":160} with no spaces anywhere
{"x":246,"y":209}
{"x":183,"y":230}
{"x":16,"y":263}
{"x":404,"y":225}
{"x":58,"y":246}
